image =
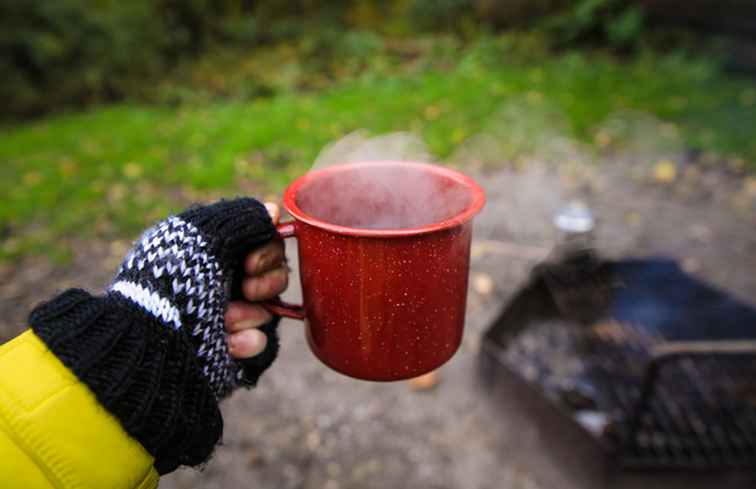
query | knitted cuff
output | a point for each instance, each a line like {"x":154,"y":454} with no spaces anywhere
{"x":142,"y":372}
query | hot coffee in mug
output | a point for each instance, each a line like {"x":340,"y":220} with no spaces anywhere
{"x":384,"y":254}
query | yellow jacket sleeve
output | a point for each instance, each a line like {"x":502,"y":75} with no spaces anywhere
{"x":54,"y":433}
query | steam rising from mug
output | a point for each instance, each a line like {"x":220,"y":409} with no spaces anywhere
{"x":380,"y":197}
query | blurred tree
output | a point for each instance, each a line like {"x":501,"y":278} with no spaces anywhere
{"x":71,"y":51}
{"x":508,"y":13}
{"x":719,"y":16}
{"x":614,"y":23}
{"x":74,"y":52}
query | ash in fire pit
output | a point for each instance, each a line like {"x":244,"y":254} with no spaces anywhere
{"x":658,"y":366}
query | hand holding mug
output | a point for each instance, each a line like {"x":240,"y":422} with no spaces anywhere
{"x":266,"y":276}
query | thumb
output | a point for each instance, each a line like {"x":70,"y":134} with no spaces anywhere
{"x":273,"y":211}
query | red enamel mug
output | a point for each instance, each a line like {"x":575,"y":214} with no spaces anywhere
{"x":384,"y":255}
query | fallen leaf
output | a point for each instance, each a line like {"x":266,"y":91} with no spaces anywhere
{"x":633,"y":218}
{"x":458,"y":135}
{"x":32,"y":178}
{"x":603,"y":139}
{"x":477,"y":250}
{"x":425,"y":382}
{"x":432,"y":112}
{"x":665,"y":171}
{"x":253,"y":457}
{"x":132,"y":170}
{"x":483,"y":283}
{"x":750,"y":186}
{"x":68,"y":168}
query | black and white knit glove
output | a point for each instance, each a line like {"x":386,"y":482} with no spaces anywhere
{"x":153,"y":348}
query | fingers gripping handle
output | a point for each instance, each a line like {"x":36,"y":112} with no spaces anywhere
{"x":277,"y":306}
{"x":281,"y":308}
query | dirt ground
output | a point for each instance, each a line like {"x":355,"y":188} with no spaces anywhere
{"x":305,"y":426}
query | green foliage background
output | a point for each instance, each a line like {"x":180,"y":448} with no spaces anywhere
{"x":65,"y":53}
{"x":116,"y":113}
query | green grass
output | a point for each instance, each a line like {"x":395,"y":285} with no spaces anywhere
{"x":110,"y":171}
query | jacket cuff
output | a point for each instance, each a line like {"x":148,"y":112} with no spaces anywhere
{"x":145,"y":374}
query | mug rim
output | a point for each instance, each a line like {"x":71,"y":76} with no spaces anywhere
{"x":476,"y":204}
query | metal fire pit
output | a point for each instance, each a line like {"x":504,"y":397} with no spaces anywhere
{"x":633,"y":371}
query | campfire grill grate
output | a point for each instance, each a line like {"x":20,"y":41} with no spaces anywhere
{"x":696,"y":407}
{"x":660,"y":404}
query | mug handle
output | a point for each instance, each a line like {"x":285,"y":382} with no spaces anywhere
{"x":276,"y":305}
